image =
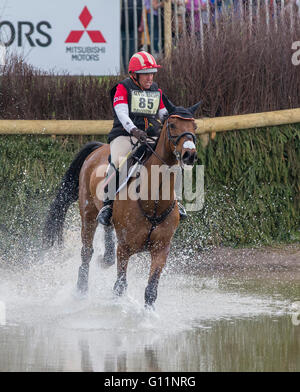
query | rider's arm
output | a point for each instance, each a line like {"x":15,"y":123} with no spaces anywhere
{"x":162,"y":113}
{"x":121,"y":108}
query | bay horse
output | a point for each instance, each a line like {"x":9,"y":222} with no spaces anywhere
{"x":139,"y":224}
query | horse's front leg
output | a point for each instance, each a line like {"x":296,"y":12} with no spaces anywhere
{"x":89,"y":225}
{"x":109,"y":241}
{"x":158,"y":261}
{"x":122,"y":263}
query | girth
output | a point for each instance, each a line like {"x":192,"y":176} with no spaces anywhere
{"x":155,"y":219}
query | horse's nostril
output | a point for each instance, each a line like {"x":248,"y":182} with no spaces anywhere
{"x":194,"y":157}
{"x":186,"y":156}
{"x":189,"y":157}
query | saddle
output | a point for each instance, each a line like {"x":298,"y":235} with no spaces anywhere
{"x":136,"y":160}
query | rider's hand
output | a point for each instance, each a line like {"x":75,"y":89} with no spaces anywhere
{"x":139,"y":134}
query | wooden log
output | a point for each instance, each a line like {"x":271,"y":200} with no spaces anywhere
{"x":56,"y":127}
{"x":102,"y":127}
{"x":247,"y":121}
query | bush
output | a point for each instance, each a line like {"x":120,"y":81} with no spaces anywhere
{"x":252,"y":182}
{"x":252,"y":187}
{"x":242,"y":69}
{"x":27,"y":93}
{"x":251,"y":177}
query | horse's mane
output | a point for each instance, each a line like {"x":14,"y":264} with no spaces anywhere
{"x":180,"y":111}
{"x":184,"y":113}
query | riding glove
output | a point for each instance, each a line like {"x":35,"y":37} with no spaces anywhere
{"x":139,"y":134}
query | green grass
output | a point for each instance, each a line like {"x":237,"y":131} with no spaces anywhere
{"x":251,"y":188}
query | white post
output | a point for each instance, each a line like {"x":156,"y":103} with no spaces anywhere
{"x":250,"y":15}
{"x":216,"y":17}
{"x":241,"y":6}
{"x":208,"y":14}
{"x":151,"y":28}
{"x":267,"y":15}
{"x":135,"y":24}
{"x":145,"y":30}
{"x":201,"y":26}
{"x":159,"y":30}
{"x":126,"y":31}
{"x":282,"y":6}
{"x":192,"y":17}
{"x":176,"y":21}
{"x":258,"y":11}
{"x":184,"y":20}
{"x":275,"y":11}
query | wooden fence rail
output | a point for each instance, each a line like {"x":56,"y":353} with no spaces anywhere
{"x":102,"y":127}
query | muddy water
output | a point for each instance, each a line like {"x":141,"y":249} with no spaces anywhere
{"x":205,"y":320}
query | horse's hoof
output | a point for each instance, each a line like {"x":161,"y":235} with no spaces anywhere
{"x":149,"y":307}
{"x":82,"y":287}
{"x":120,"y":287}
{"x":79,"y":294}
{"x":107,"y":262}
{"x":82,"y":282}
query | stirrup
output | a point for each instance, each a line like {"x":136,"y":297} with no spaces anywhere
{"x":182,"y":211}
{"x":105,"y":214}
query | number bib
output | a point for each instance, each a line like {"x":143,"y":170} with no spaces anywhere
{"x":145,"y":103}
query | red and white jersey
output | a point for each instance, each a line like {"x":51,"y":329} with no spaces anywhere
{"x":121,"y":107}
{"x":121,"y":96}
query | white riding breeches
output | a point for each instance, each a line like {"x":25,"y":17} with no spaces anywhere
{"x":119,"y":148}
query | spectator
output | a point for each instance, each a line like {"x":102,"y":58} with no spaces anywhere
{"x":131,"y":32}
{"x":180,"y":16}
{"x":293,"y":7}
{"x":155,"y":5}
{"x":200,"y":10}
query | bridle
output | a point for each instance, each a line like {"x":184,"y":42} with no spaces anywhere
{"x":156,"y":219}
{"x":174,"y":139}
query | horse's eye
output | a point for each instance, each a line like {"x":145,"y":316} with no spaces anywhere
{"x":195,"y":127}
{"x":172,"y":126}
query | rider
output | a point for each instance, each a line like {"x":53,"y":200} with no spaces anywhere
{"x":138,"y":108}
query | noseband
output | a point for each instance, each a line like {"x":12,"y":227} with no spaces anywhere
{"x":174,"y":139}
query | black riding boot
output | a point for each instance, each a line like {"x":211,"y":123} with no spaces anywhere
{"x":105,"y":214}
{"x":182,"y":212}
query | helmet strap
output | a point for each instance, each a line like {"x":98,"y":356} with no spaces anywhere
{"x":135,"y":80}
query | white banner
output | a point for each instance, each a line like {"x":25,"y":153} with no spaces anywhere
{"x":73,"y":36}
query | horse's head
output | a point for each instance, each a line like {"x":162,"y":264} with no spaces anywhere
{"x":180,"y":129}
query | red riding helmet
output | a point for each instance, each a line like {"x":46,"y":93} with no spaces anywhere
{"x":143,"y":62}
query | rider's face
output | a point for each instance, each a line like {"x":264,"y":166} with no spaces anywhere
{"x":146,"y":80}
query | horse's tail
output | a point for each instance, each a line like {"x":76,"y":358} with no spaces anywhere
{"x":66,"y":195}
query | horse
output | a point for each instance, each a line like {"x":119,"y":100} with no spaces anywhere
{"x":139,"y":224}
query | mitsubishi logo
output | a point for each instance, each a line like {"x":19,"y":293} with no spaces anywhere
{"x":95,"y":35}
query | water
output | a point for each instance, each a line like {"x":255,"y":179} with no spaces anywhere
{"x":204,"y":320}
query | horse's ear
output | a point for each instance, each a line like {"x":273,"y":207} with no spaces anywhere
{"x":193,"y":108}
{"x":168,"y":104}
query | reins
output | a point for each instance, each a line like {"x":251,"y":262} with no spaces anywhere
{"x":155,"y":219}
{"x":175,"y":142}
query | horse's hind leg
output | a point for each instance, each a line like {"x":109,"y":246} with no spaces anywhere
{"x":109,"y":242}
{"x":122,"y":260}
{"x":89,"y":225}
{"x":159,"y":258}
